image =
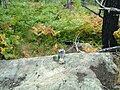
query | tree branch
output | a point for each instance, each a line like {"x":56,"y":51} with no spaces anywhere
{"x":106,"y":8}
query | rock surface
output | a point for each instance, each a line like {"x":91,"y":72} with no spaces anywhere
{"x":81,"y":71}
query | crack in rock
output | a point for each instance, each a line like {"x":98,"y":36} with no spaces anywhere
{"x":106,"y":78}
{"x":11,"y":83}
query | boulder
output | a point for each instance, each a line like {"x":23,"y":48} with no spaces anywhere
{"x":81,"y":71}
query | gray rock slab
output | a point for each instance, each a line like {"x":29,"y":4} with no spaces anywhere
{"x":81,"y":71}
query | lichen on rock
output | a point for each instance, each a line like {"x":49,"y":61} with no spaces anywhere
{"x":82,"y":71}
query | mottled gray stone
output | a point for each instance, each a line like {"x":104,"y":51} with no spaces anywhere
{"x":43,"y":73}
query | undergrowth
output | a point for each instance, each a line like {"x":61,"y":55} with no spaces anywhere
{"x":35,"y":29}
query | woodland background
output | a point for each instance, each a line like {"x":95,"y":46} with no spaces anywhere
{"x":41,"y":27}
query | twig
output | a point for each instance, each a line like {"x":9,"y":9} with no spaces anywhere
{"x":117,"y":87}
{"x":109,"y":49}
{"x":105,"y":87}
{"x":92,"y":11}
{"x":76,"y":47}
{"x":70,"y":48}
{"x":75,"y":44}
{"x":107,"y":8}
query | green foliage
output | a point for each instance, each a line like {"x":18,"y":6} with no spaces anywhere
{"x":58,"y":25}
{"x":36,"y":0}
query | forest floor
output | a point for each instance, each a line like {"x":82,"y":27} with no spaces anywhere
{"x":39,"y":29}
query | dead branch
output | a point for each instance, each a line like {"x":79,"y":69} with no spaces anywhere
{"x":109,"y":49}
{"x":106,"y":8}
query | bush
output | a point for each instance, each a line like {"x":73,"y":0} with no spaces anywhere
{"x":40,"y":29}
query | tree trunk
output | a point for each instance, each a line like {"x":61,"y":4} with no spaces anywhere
{"x":0,"y":2}
{"x":110,"y":24}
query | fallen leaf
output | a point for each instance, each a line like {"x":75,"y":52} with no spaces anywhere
{"x":25,"y":54}
{"x":55,"y":47}
{"x":39,"y":29}
{"x":88,"y":49}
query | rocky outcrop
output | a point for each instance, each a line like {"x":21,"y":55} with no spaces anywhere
{"x":81,"y":71}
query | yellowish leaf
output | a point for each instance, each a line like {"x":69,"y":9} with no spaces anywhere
{"x":88,"y":50}
{"x":41,"y":29}
{"x":2,"y":49}
{"x":4,"y":43}
{"x":55,"y":47}
{"x":2,"y":37}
